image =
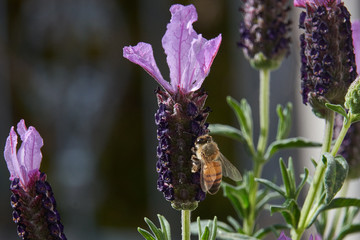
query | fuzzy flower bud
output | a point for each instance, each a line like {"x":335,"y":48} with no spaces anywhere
{"x":264,"y":32}
{"x":352,"y":97}
{"x":181,"y":116}
{"x":32,"y":198}
{"x":327,"y":53}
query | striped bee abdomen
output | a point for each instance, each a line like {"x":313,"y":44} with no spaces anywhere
{"x":212,"y":174}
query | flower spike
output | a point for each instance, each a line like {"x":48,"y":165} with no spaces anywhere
{"x":327,"y":53}
{"x":264,"y":32}
{"x":32,"y":198}
{"x":181,"y":117}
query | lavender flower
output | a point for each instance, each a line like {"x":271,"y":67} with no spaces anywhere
{"x":264,"y":32}
{"x":327,"y":53}
{"x":181,"y":116}
{"x":283,"y":237}
{"x":32,"y":198}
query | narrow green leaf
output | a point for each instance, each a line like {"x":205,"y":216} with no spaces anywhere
{"x":227,"y":131}
{"x":296,"y":142}
{"x":291,"y":173}
{"x":286,"y":178}
{"x":355,"y":118}
{"x":302,"y":183}
{"x":238,"y":197}
{"x":335,"y":203}
{"x":235,"y":224}
{"x":199,"y":227}
{"x":158,"y":234}
{"x":206,"y":234}
{"x":272,"y":186}
{"x":243,"y":114}
{"x":234,"y":236}
{"x":284,"y":125}
{"x":260,"y":204}
{"x":214,"y":229}
{"x":337,"y":108}
{"x":290,"y":211}
{"x":335,"y":175}
{"x":354,"y":228}
{"x":225,"y":227}
{"x":145,"y":234}
{"x":165,"y":227}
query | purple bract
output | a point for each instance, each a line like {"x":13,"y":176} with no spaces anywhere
{"x":24,"y":163}
{"x":355,"y":26}
{"x":189,"y":55}
{"x":303,"y":3}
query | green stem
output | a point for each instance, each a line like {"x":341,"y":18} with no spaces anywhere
{"x":338,"y":212}
{"x":341,"y":137}
{"x":249,"y":222}
{"x":316,"y":184}
{"x":259,"y":161}
{"x":264,"y":101}
{"x":329,"y":126}
{"x":185,"y":224}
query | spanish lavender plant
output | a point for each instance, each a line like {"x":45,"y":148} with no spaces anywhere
{"x":181,"y":116}
{"x":32,"y":198}
{"x":265,"y":40}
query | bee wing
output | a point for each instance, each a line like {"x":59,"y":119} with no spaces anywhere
{"x":207,"y":183}
{"x":204,"y":187}
{"x":228,"y":169}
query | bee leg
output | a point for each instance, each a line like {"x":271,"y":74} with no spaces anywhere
{"x":193,"y":149}
{"x":196,"y":164}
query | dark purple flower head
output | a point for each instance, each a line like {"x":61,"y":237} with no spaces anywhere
{"x":264,"y":32}
{"x":327,"y":53}
{"x":189,"y":55}
{"x":181,"y":116}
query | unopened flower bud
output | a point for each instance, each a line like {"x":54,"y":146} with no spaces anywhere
{"x":352,"y":97}
{"x":264,"y":32}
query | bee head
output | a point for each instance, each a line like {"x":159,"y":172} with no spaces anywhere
{"x":204,"y":139}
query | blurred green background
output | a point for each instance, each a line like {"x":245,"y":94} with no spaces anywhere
{"x":62,"y":70}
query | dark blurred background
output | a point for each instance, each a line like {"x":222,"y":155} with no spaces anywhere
{"x":62,"y":70}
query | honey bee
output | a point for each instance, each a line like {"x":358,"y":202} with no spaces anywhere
{"x":213,"y":164}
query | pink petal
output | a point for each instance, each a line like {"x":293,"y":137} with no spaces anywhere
{"x":142,"y":54}
{"x":32,"y":153}
{"x":300,"y":3}
{"x":356,"y":41}
{"x":205,"y":57}
{"x":10,"y":154}
{"x":177,"y":42}
{"x":21,"y":129}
